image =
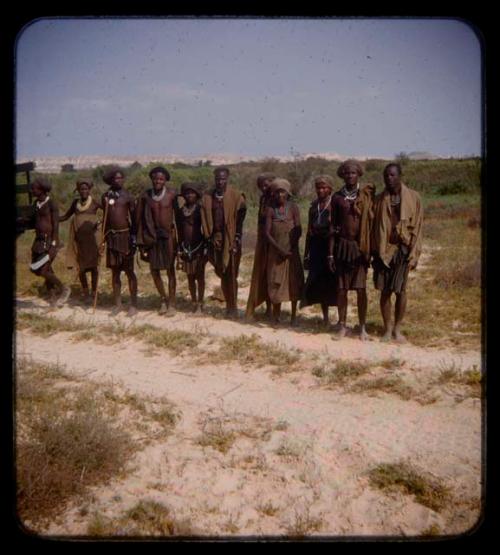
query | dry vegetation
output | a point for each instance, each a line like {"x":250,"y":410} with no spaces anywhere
{"x":70,"y":436}
{"x":428,"y":490}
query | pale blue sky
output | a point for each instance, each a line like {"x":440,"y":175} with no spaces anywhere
{"x":257,"y":87}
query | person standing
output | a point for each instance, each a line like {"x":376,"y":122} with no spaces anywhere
{"x":192,"y":251}
{"x":120,"y":237}
{"x":46,"y":242}
{"x":396,"y":246}
{"x":349,"y":248}
{"x":258,"y":283}
{"x":156,"y":235}
{"x":285,"y":275}
{"x":82,"y":251}
{"x":320,"y":285}
{"x":223,"y":211}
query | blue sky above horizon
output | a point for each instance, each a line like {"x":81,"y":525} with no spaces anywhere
{"x":256,"y":87}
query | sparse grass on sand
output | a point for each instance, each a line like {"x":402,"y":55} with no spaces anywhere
{"x":303,"y":523}
{"x":428,"y":490}
{"x":173,"y":341}
{"x":341,"y":372}
{"x":388,"y":384}
{"x":146,"y":518}
{"x":66,"y":441}
{"x":451,"y":373}
{"x":220,"y":432}
{"x":70,"y":437}
{"x":250,"y":349}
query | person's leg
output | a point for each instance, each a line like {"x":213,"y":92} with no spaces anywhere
{"x":269,"y":308}
{"x":172,"y":286}
{"x":294,"y":313}
{"x":324,"y":310}
{"x":342,"y":305}
{"x":399,"y":312}
{"x":385,"y":309}
{"x":55,"y":286}
{"x":117,"y":289}
{"x":192,"y":288}
{"x":82,"y":276}
{"x":132,"y":287}
{"x":200,"y":278}
{"x":94,"y":278}
{"x":156,"y":275}
{"x":276,"y":312}
{"x":362,"y":310}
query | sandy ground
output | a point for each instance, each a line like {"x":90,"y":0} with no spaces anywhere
{"x":310,"y":446}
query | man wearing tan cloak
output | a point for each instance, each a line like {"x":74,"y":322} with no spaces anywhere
{"x":396,"y":246}
{"x":223,"y":211}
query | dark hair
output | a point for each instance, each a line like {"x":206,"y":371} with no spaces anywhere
{"x":264,"y":177}
{"x":217,"y":171}
{"x":110,"y":174}
{"x":346,"y":164}
{"x":394,"y":165}
{"x":160,"y":169}
{"x":84,"y":181}
{"x":42,"y":183}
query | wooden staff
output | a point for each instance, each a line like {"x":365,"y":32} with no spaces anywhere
{"x":102,"y":244}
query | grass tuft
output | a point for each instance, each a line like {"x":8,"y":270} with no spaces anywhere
{"x":428,"y":491}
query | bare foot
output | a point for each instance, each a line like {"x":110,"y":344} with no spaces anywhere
{"x":171,"y":311}
{"x":66,"y":292}
{"x":399,"y":337}
{"x":132,"y":311}
{"x":363,"y":335}
{"x":336,"y":328}
{"x":163,"y":308}
{"x":342,"y":331}
{"x":386,"y":337}
{"x":198,"y":308}
{"x":116,"y":310}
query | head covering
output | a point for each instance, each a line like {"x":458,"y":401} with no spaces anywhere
{"x":160,"y":169}
{"x":264,"y":177}
{"x":221,"y":169}
{"x":86,"y":181}
{"x":42,"y":183}
{"x":346,"y":164}
{"x":395,"y":165}
{"x":328,"y":179}
{"x":192,"y":186}
{"x":280,"y":183}
{"x":110,"y":174}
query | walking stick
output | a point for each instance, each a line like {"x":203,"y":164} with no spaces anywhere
{"x":102,"y":244}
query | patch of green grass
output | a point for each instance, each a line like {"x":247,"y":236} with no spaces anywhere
{"x":427,"y":490}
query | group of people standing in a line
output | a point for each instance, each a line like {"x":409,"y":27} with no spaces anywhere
{"x":346,"y":231}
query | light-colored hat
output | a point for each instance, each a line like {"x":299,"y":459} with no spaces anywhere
{"x":280,"y":183}
{"x":328,"y":179}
